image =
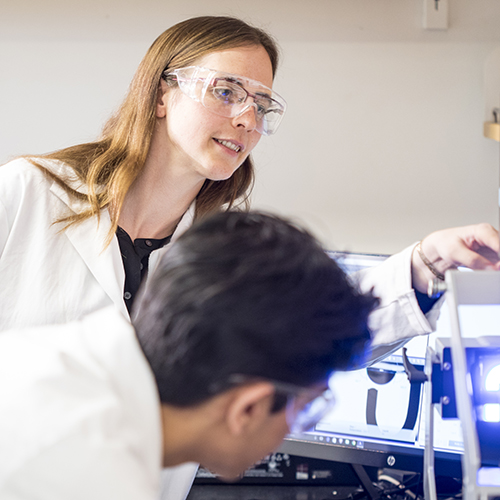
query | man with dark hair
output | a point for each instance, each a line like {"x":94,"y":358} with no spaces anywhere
{"x":235,"y":337}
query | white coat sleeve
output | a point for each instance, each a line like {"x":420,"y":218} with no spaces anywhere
{"x":398,"y":317}
{"x":117,"y":474}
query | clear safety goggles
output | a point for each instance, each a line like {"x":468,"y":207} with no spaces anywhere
{"x":230,"y":95}
{"x":305,"y":406}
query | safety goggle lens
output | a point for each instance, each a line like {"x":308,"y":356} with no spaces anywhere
{"x":227,"y":95}
{"x":303,"y":415}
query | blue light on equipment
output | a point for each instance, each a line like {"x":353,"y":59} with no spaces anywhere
{"x":492,"y":379}
{"x":491,"y":412}
{"x":464,"y":380}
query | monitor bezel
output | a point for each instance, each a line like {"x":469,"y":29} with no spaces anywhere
{"x":383,"y":456}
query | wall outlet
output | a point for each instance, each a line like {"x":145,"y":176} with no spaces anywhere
{"x":436,"y":14}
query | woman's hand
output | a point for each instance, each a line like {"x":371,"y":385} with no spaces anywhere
{"x":475,"y":247}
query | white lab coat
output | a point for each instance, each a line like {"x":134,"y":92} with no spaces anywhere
{"x":398,"y":317}
{"x":80,"y":414}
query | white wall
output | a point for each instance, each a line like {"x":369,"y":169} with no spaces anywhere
{"x":382,"y":142}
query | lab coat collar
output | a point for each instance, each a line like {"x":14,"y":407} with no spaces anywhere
{"x":89,"y":240}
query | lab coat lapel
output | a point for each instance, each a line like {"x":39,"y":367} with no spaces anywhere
{"x":88,"y":238}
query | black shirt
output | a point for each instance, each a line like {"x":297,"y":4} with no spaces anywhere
{"x":135,"y":255}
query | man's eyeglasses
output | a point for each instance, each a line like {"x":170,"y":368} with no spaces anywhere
{"x":305,"y":406}
{"x":230,"y":95}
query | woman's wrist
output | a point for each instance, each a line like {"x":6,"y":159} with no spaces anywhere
{"x":430,"y":266}
{"x":426,"y":266}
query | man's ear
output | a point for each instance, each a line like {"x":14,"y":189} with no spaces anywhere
{"x":250,"y":406}
{"x":161,"y":100}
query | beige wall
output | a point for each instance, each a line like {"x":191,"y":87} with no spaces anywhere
{"x":382,"y":142}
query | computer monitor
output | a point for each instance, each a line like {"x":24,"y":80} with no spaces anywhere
{"x":379,"y":417}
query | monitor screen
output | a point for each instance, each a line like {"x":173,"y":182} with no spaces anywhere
{"x":379,"y":417}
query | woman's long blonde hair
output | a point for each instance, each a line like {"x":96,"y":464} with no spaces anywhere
{"x":110,"y":165}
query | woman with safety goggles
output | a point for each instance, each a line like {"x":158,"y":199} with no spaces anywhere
{"x":85,"y":224}
{"x":81,"y":227}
